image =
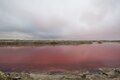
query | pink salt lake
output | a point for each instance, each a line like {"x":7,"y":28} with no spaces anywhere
{"x":65,"y":57}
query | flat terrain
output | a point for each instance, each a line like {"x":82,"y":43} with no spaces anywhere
{"x":100,"y":74}
{"x":40,"y":42}
{"x":50,"y":42}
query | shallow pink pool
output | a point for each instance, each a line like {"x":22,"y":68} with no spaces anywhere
{"x":67,"y":57}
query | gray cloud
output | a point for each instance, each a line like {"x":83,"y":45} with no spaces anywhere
{"x":60,"y":19}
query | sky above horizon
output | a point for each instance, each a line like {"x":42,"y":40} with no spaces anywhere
{"x":60,"y":19}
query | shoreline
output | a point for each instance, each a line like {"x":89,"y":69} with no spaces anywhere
{"x":100,"y":74}
{"x":4,"y":43}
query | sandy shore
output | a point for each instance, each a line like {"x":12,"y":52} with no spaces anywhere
{"x":99,"y":74}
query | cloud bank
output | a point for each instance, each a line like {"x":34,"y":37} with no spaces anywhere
{"x":60,"y":19}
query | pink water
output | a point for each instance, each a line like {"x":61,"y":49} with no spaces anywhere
{"x":67,"y":57}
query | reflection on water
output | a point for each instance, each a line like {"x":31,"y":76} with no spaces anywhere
{"x":69,"y":57}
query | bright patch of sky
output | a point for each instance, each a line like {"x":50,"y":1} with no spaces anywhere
{"x":60,"y":19}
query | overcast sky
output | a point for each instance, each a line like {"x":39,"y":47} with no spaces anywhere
{"x":60,"y":19}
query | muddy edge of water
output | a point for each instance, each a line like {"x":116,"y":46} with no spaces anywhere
{"x":100,"y":74}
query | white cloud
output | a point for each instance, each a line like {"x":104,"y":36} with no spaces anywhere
{"x":61,"y":19}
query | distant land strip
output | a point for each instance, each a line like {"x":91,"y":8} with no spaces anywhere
{"x":50,"y":42}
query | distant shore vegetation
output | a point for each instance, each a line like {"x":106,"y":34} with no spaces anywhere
{"x":50,"y":42}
